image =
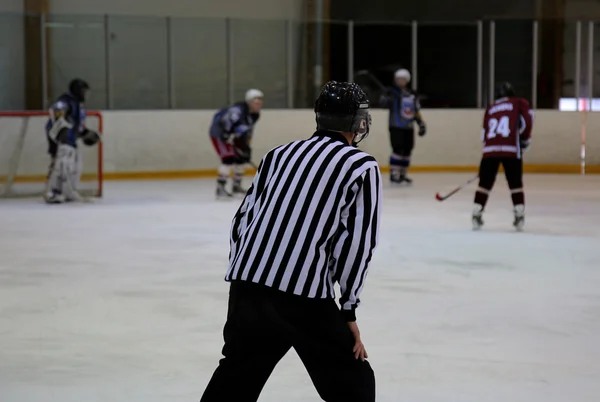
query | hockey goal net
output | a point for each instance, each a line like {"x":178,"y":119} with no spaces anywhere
{"x":24,"y":159}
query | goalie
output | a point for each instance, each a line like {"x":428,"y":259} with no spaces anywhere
{"x":65,"y":127}
{"x":231,"y":132}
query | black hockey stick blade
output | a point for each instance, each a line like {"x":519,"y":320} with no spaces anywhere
{"x":441,"y":197}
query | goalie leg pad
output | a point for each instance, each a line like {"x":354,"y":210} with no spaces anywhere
{"x":78,"y":169}
{"x":64,"y":171}
{"x":48,"y":189}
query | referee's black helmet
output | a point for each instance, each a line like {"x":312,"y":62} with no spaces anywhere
{"x":343,"y":107}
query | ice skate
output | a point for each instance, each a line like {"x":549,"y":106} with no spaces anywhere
{"x":53,"y":197}
{"x":221,"y":192}
{"x":74,"y":197}
{"x":405,"y":179}
{"x":477,"y":217}
{"x":237,"y":189}
{"x":401,"y":177}
{"x":519,"y":221}
{"x":395,"y":177}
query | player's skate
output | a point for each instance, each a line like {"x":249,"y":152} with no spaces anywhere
{"x":74,"y":197}
{"x":221,"y":192}
{"x":237,"y":188}
{"x":477,"y":217}
{"x":399,"y":177}
{"x":405,"y":179}
{"x":53,"y":197}
{"x":519,"y":221}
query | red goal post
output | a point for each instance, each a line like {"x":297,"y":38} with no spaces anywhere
{"x":24,"y":158}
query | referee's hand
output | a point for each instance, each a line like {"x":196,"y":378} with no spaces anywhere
{"x":359,"y":349}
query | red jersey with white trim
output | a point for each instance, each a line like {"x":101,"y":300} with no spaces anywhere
{"x":506,"y":124}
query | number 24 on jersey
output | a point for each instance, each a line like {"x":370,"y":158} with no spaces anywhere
{"x":498,"y":127}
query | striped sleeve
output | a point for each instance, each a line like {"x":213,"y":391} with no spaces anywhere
{"x":355,"y":244}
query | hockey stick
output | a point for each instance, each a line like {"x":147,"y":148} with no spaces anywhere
{"x":371,"y":77}
{"x":440,"y":197}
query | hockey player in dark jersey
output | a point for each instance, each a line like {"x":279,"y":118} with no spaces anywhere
{"x":231,"y":133}
{"x":65,"y":126}
{"x":404,"y":111}
{"x":506,"y":134}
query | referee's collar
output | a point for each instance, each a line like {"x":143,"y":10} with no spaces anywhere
{"x":334,"y":135}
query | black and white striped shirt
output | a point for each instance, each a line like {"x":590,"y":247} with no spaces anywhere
{"x":311,"y":218}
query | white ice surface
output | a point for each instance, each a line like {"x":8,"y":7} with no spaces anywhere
{"x":123,"y":300}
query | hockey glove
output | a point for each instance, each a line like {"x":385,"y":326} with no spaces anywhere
{"x":524,"y":144}
{"x":422,"y":129}
{"x":243,"y":152}
{"x":90,"y":137}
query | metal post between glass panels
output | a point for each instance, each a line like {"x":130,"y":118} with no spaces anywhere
{"x":44,"y":55}
{"x":290,"y":63}
{"x":577,"y":64}
{"x":109,"y":101}
{"x":414,"y":54}
{"x":318,"y":46}
{"x":170,"y":75}
{"x":534,"y":64}
{"x":492,"y":61}
{"x":590,"y":66}
{"x":350,"y":51}
{"x":230,"y":55}
{"x":590,"y":95}
{"x":479,"y":64}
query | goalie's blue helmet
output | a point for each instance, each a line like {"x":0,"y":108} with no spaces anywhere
{"x":78,"y":88}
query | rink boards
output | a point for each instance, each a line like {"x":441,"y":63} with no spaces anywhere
{"x":175,"y":144}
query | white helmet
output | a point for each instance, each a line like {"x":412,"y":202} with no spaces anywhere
{"x":252,"y":94}
{"x":402,"y":73}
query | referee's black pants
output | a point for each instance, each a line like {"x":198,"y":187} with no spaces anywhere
{"x":263,"y":324}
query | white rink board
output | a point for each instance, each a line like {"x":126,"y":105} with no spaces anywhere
{"x":177,"y":141}
{"x":142,"y":141}
{"x":128,"y":303}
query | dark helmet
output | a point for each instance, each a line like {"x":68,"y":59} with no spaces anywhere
{"x":343,"y":107}
{"x":77,"y":88}
{"x":504,"y":89}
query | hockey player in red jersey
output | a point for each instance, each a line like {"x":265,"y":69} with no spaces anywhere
{"x":506,"y":134}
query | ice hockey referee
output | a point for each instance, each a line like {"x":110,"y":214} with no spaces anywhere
{"x":311,"y":218}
